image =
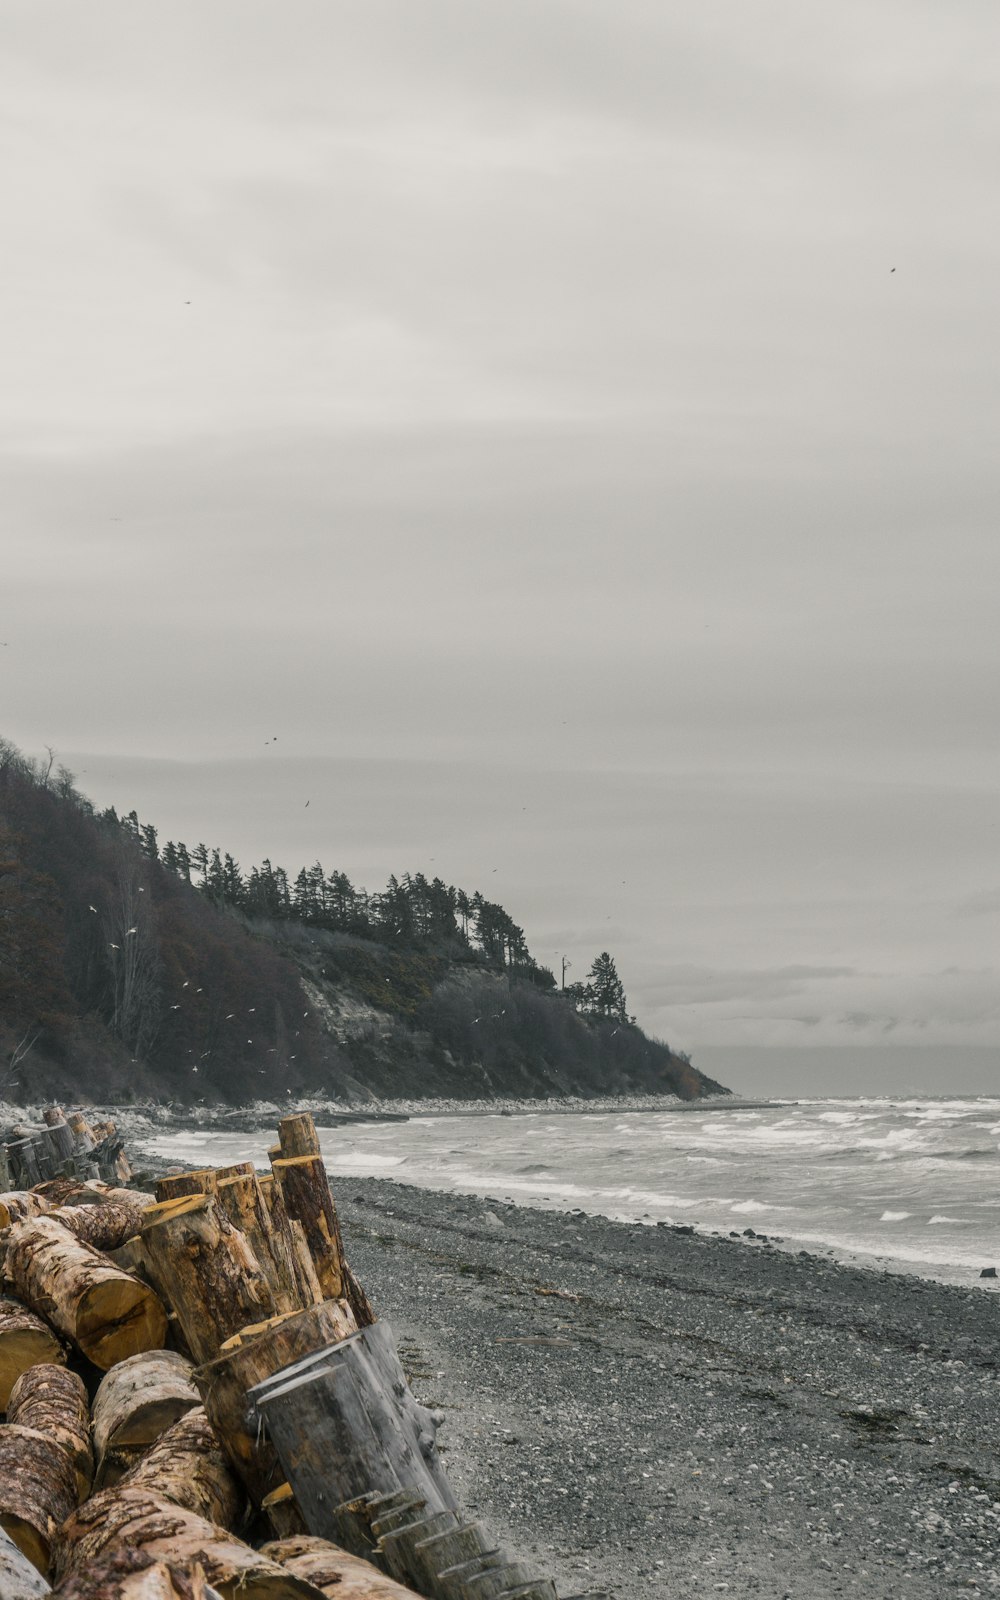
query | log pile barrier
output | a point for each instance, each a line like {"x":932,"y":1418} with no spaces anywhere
{"x":200,"y":1402}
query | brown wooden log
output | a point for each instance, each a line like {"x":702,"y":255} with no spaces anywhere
{"x":307,"y":1283}
{"x":305,"y":1190}
{"x":137,"y":1401}
{"x":52,"y":1400}
{"x":242,"y":1200}
{"x":238,"y":1169}
{"x":177,"y":1184}
{"x":107,"y":1314}
{"x":187,"y":1466}
{"x":282,"y":1511}
{"x":37,"y":1492}
{"x":223,"y":1385}
{"x":53,"y":1114}
{"x":83,"y":1134}
{"x":354,"y":1294}
{"x":130,"y":1574}
{"x":335,"y":1573}
{"x":25,"y":1341}
{"x":20,"y":1579}
{"x":18,"y":1204}
{"x":214,"y":1280}
{"x":134,"y":1518}
{"x":297,"y":1136}
{"x":109,"y":1225}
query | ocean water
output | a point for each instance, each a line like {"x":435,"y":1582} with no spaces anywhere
{"x":910,"y":1184}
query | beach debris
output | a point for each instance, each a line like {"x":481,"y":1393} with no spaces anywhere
{"x":283,"y":1388}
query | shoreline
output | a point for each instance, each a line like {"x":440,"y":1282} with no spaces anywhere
{"x":664,"y":1414}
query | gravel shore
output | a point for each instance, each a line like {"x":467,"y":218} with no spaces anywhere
{"x":655,"y":1413}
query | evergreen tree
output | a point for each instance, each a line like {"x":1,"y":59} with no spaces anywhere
{"x":607,"y":995}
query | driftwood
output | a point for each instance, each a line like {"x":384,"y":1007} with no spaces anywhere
{"x":241,"y":1198}
{"x":309,"y":1290}
{"x":108,"y":1225}
{"x":106,"y":1313}
{"x":205,"y":1265}
{"x":52,"y":1400}
{"x":18,"y":1204}
{"x":343,"y":1421}
{"x":223,"y":1385}
{"x":130,"y":1574}
{"x":37,"y":1491}
{"x":123,"y":1518}
{"x":20,"y":1579}
{"x":297,"y":1136}
{"x":334,"y":1572}
{"x":25,"y":1341}
{"x":179,"y":1184}
{"x":305,"y":1190}
{"x":137,"y":1401}
{"x":186,"y":1466}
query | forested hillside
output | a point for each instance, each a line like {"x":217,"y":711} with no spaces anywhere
{"x":131,"y":970}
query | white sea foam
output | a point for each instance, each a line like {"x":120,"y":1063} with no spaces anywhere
{"x":895,"y":1216}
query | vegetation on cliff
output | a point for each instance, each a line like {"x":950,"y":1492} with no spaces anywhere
{"x":128,"y":970}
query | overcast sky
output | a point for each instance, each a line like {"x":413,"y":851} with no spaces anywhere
{"x":571,"y":428}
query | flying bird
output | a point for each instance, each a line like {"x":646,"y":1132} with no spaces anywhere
{"x":94,"y":910}
{"x":307,"y":802}
{"x":185,"y":983}
{"x":230,"y":1016}
{"x":133,"y":930}
{"x":116,"y":947}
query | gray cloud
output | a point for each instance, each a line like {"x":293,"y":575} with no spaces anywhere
{"x":513,"y":409}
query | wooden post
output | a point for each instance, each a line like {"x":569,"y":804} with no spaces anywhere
{"x":121,"y":1517}
{"x":186,"y":1183}
{"x":25,"y":1341}
{"x":53,"y":1401}
{"x":37,"y":1492}
{"x":137,"y":1401}
{"x":224,"y":1382}
{"x":343,"y":1421}
{"x":297,"y":1136}
{"x":208,"y":1269}
{"x":60,"y":1140}
{"x":334,"y":1572}
{"x":20,"y":1579}
{"x":107,"y":1314}
{"x":308,"y":1286}
{"x":306,"y":1193}
{"x":243,"y":1202}
{"x":83,"y":1134}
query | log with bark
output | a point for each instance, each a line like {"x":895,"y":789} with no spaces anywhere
{"x":129,"y":1574}
{"x":37,"y":1492}
{"x":305,"y":1190}
{"x":137,"y":1401}
{"x":343,"y":1421}
{"x":242,"y":1199}
{"x":107,"y":1314}
{"x":335,"y":1573}
{"x":52,"y":1400}
{"x":25,"y":1341}
{"x":20,"y":1579}
{"x":124,"y":1518}
{"x":187,"y":1466}
{"x":309,"y":1291}
{"x":18,"y":1204}
{"x":206,"y":1267}
{"x":297,"y":1136}
{"x":224,"y":1382}
{"x":108,"y":1225}
{"x":178,"y":1184}
{"x":282,"y":1511}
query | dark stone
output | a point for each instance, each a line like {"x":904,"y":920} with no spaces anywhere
{"x":748,"y":1233}
{"x":988,"y":1272}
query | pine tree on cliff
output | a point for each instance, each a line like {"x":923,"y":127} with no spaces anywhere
{"x":606,"y":992}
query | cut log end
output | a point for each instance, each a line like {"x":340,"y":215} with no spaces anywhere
{"x":24,"y":1348}
{"x":118,"y":1318}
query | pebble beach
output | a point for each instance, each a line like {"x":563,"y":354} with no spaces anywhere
{"x":651,"y":1412}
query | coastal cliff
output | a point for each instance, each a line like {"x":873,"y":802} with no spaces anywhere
{"x":126,"y":976}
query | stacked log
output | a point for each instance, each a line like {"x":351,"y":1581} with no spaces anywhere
{"x":18,"y":1204}
{"x":137,"y":1401}
{"x":20,"y":1579}
{"x":52,"y":1400}
{"x":110,"y":1224}
{"x":333,"y":1571}
{"x":106,"y":1313}
{"x":37,"y":1492}
{"x":25,"y":1341}
{"x":188,"y":1467}
{"x":206,"y":1265}
{"x":130,"y":1574}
